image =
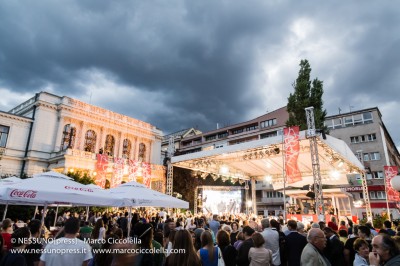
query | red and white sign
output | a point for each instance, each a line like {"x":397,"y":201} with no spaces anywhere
{"x":292,"y":150}
{"x":28,"y":194}
{"x":392,"y":194}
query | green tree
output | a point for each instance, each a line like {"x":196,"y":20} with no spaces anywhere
{"x":306,"y":94}
{"x":81,"y":177}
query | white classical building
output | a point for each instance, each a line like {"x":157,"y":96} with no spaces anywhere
{"x":64,"y":134}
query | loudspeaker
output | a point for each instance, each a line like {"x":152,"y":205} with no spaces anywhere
{"x":310,"y":194}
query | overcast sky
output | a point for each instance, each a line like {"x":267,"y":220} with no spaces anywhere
{"x":178,"y":64}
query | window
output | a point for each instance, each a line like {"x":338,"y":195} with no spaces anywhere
{"x":109,"y":145}
{"x":367,"y":117}
{"x":268,"y":123}
{"x":355,"y":139}
{"x":142,"y":152}
{"x":375,"y":156}
{"x":222,"y":135}
{"x":3,"y":135}
{"x":68,"y":138}
{"x":126,"y":149}
{"x":90,"y":141}
{"x":269,"y":134}
{"x":237,"y":131}
{"x":371,"y":137}
{"x":369,"y":176}
{"x":366,"y":157}
{"x":211,"y":137}
{"x":357,"y":119}
{"x":380,"y":195}
{"x":348,"y":120}
{"x":372,"y":195}
{"x":378,"y":175}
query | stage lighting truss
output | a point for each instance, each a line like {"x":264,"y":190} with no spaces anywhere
{"x":261,"y":153}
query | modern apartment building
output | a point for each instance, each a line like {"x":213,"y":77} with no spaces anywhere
{"x":366,"y":135}
{"x":265,"y":126}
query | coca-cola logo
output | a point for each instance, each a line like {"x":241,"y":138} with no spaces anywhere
{"x":79,"y":188}
{"x":29,"y":194}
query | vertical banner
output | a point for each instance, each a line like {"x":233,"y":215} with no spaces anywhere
{"x":133,"y":167}
{"x":146,"y":174}
{"x":292,"y":150}
{"x":101,"y":169}
{"x":118,"y":172}
{"x":391,"y":193}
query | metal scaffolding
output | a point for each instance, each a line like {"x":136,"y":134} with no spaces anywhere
{"x":311,"y":134}
{"x":365,"y":189}
{"x":170,"y":170}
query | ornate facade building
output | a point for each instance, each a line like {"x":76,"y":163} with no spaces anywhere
{"x":64,"y":134}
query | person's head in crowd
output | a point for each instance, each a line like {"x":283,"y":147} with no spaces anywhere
{"x":35,"y":226}
{"x":227,"y":228}
{"x":158,"y":236}
{"x":342,"y":223}
{"x":247,"y":232}
{"x":315,"y":225}
{"x":265,"y":223}
{"x":240,"y":236}
{"x":6,"y":225}
{"x":215,"y":217}
{"x":328,"y":232}
{"x":183,"y":241}
{"x":71,"y":226}
{"x":234,"y":226}
{"x":118,"y":232}
{"x":333,"y":219}
{"x":385,"y":247}
{"x":387,"y":224}
{"x":223,"y":238}
{"x":292,"y":225}
{"x":258,"y":240}
{"x":20,"y":237}
{"x":322,"y":225}
{"x":355,"y":230}
{"x":300,"y":227}
{"x":361,"y":246}
{"x":144,"y":232}
{"x":364,"y":232}
{"x":343,"y":233}
{"x":275,"y":224}
{"x":317,"y":238}
{"x":171,"y":236}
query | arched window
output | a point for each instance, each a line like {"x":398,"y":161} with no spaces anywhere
{"x":109,"y":145}
{"x":126,"y":150}
{"x":90,"y":141}
{"x":142,"y":152}
{"x":68,"y":138}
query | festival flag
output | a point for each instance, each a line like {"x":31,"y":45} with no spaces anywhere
{"x":118,"y":172}
{"x":292,"y":150}
{"x":391,"y":193}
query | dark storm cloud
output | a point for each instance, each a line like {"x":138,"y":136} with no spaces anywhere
{"x":179,"y":64}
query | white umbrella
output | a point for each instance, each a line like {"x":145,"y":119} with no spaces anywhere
{"x":139,"y":195}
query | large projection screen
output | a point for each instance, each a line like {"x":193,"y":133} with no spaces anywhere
{"x":223,"y":200}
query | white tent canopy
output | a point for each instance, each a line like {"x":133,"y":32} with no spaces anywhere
{"x":264,"y":157}
{"x":141,"y":196}
{"x":54,"y":188}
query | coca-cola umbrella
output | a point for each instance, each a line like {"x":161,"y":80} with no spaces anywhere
{"x":54,"y":188}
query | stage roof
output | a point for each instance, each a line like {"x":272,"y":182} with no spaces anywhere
{"x":263,"y":159}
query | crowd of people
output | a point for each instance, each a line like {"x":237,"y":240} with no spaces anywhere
{"x":157,"y":238}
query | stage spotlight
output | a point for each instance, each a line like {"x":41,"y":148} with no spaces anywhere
{"x":277,"y":150}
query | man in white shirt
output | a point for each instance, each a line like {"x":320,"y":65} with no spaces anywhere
{"x":67,"y":250}
{"x":271,"y":238}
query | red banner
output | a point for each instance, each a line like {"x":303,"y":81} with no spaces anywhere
{"x":101,"y":169}
{"x":292,"y":150}
{"x":391,"y":193}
